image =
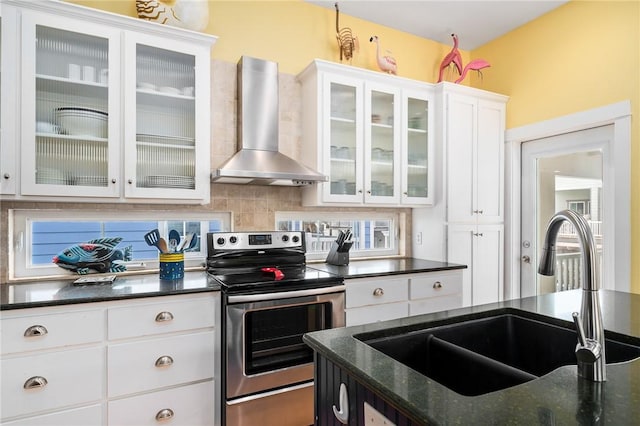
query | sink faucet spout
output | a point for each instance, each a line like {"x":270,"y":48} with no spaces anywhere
{"x":590,"y":348}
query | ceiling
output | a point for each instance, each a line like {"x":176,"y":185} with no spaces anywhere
{"x":476,"y":22}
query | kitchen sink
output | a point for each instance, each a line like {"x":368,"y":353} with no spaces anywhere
{"x":490,"y":353}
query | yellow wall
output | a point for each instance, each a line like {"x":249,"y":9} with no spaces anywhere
{"x":582,"y":55}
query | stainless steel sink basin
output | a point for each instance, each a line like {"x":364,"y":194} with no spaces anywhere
{"x":493,"y":352}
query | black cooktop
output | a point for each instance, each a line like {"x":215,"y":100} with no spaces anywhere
{"x":273,"y":279}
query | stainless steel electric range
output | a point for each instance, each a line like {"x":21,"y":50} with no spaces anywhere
{"x":270,"y":298}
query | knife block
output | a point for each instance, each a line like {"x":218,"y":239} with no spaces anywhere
{"x":337,"y":258}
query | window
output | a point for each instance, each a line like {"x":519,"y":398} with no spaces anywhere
{"x":39,"y":235}
{"x":374,"y":234}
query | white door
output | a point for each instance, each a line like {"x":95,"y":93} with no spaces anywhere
{"x":567,"y":171}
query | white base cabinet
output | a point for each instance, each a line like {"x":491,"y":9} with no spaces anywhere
{"x":134,"y":362}
{"x":384,"y":298}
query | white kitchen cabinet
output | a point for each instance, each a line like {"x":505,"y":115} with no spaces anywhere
{"x":7,"y":102}
{"x":370,"y":133}
{"x":475,"y":158}
{"x":101,"y":363}
{"x":108,"y":106}
{"x":481,"y":248}
{"x":374,"y":299}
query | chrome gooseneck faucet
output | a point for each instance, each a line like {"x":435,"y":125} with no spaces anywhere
{"x":590,"y":347}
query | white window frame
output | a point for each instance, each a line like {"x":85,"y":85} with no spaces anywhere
{"x":397,"y":248}
{"x":19,"y":235}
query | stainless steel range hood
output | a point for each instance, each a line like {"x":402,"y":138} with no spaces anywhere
{"x":258,"y":160}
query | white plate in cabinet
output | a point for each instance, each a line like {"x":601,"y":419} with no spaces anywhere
{"x":374,"y":313}
{"x":435,"y":304}
{"x":435,"y":284}
{"x":37,"y":332}
{"x":151,"y":364}
{"x":164,"y":317}
{"x":373,"y":291}
{"x":84,"y":416}
{"x":188,"y":405}
{"x":32,"y":384}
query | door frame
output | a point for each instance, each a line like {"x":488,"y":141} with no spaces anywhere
{"x":618,"y":115}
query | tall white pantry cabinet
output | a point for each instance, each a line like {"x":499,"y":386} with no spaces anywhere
{"x":473,"y":140}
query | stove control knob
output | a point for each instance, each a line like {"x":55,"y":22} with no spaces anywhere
{"x":220,"y":241}
{"x":295,"y":238}
{"x":233,"y":240}
{"x":285,"y":238}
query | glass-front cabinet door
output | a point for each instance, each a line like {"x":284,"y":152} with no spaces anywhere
{"x":343,"y":149}
{"x":162,"y":158}
{"x":417,"y":158}
{"x":382,"y":145}
{"x":70,"y":123}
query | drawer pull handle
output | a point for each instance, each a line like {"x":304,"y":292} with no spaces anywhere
{"x":35,"y":331}
{"x":164,"y":361}
{"x":35,"y":382}
{"x":164,"y":414}
{"x":164,"y":316}
{"x":378,"y":292}
{"x":437,"y":285}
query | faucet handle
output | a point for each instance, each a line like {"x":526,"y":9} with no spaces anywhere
{"x":587,"y":350}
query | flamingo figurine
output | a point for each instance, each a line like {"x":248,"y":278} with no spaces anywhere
{"x":474,"y":65}
{"x":386,"y":63}
{"x":454,"y":57}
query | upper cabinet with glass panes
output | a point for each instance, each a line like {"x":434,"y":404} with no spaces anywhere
{"x":371,"y":133}
{"x":108,"y":106}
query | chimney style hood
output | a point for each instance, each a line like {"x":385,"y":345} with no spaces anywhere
{"x":258,"y":160}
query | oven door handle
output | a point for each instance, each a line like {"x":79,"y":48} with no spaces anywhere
{"x":285,"y":294}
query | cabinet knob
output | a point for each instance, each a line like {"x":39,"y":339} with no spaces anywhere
{"x":164,"y":361}
{"x":36,"y":331}
{"x":113,"y":181}
{"x":479,"y":211}
{"x":35,"y":382}
{"x":437,"y":285}
{"x":378,"y":292}
{"x":130,"y":181}
{"x":164,"y":316}
{"x":405,"y":193}
{"x":359,"y":191}
{"x":164,"y":414}
{"x":478,"y":234}
{"x":369,"y":192}
{"x":7,"y":176}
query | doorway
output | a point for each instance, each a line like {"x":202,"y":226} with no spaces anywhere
{"x":562,"y":172}
{"x":616,"y":191}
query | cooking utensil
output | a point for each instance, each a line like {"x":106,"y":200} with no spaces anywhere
{"x":186,"y":241}
{"x":174,"y":240}
{"x":194,"y":242}
{"x":153,"y":238}
{"x":163,"y":246}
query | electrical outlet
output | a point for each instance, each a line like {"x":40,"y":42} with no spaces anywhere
{"x":373,"y":417}
{"x":419,"y":238}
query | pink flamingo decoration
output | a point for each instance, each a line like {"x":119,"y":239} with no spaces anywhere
{"x":386,"y":63}
{"x":474,"y":65}
{"x":454,"y":57}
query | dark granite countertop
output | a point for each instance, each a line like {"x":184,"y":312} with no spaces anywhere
{"x":63,"y":292}
{"x":556,"y":398}
{"x":382,"y":267}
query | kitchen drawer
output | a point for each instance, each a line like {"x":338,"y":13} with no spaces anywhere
{"x":37,"y":332}
{"x":435,"y":284}
{"x":161,"y":317}
{"x":73,"y":377}
{"x":435,"y":304}
{"x":371,"y":291}
{"x":132,"y":366}
{"x":191,"y":405}
{"x":369,"y":314}
{"x":91,"y":415}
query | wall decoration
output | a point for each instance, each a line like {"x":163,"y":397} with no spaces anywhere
{"x":454,"y":58}
{"x":347,"y":42}
{"x":189,"y":14}
{"x":386,"y":63}
{"x":99,"y":255}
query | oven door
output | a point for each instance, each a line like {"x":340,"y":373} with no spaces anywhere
{"x":264,"y":347}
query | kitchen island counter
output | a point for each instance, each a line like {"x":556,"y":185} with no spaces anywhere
{"x":556,"y":398}
{"x":63,"y":292}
